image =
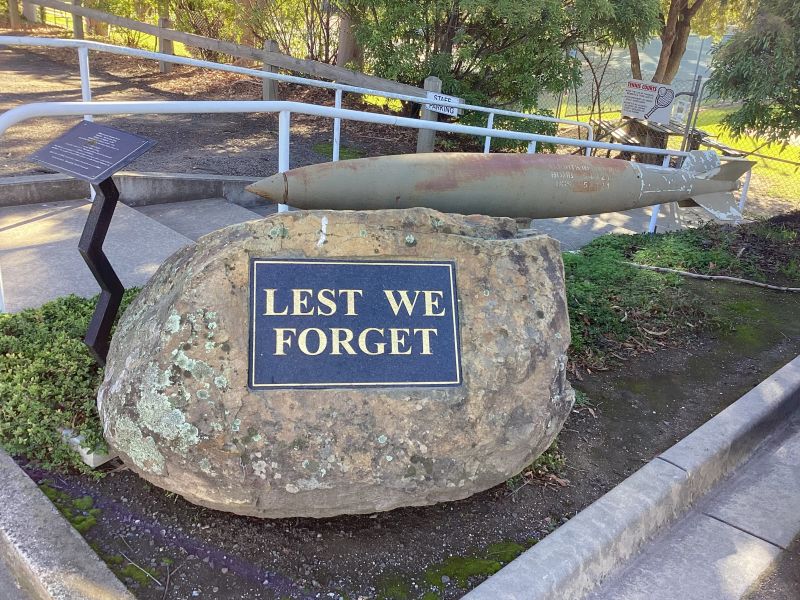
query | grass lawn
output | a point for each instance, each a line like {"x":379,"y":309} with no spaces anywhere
{"x":117,"y":36}
{"x":770,"y":178}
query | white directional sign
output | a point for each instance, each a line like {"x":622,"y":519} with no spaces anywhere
{"x":647,"y":100}
{"x":443,"y":101}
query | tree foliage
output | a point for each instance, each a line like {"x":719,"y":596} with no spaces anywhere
{"x":492,"y":51}
{"x":303,"y":28}
{"x":760,"y":66}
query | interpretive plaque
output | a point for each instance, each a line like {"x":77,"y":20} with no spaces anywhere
{"x":92,"y":152}
{"x":352,"y":323}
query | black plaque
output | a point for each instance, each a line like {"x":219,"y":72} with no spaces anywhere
{"x":92,"y":152}
{"x":353,"y":323}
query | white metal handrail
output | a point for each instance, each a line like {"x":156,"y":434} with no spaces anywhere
{"x":83,"y":46}
{"x":285,"y":109}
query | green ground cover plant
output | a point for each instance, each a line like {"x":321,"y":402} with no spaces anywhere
{"x":48,"y":382}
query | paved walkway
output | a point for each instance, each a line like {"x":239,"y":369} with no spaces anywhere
{"x":39,"y":258}
{"x":721,"y":548}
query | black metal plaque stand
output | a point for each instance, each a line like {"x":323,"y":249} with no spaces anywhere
{"x":98,"y":336}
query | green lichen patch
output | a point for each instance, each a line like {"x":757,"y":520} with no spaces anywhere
{"x":78,"y":511}
{"x":460,"y":569}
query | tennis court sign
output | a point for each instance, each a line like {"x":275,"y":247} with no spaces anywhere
{"x":648,"y":101}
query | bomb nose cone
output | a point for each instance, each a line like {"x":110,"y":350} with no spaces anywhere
{"x":275,"y":188}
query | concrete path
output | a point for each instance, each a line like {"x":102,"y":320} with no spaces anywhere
{"x":39,"y":257}
{"x":198,"y":217}
{"x":721,"y":547}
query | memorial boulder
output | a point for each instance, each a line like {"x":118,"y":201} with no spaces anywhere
{"x":319,"y":363}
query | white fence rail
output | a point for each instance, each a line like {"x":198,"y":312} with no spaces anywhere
{"x":339,"y":89}
{"x":285,"y":110}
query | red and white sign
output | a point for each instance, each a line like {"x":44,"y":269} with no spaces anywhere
{"x":648,"y":101}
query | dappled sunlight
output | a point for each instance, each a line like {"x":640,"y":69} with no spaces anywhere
{"x":29,"y":229}
{"x":748,"y":559}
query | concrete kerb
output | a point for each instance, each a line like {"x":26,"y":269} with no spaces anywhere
{"x":49,"y":559}
{"x":136,"y":189}
{"x":575,"y":558}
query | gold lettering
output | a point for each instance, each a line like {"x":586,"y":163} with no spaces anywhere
{"x":407,"y":303}
{"x":337,"y":341}
{"x":362,"y":342}
{"x":330,"y":302}
{"x":396,"y":341}
{"x":269,"y":309}
{"x":323,"y":341}
{"x":299,"y":302}
{"x":426,"y":338}
{"x":351,"y":301}
{"x":431,"y":303}
{"x":281,"y":340}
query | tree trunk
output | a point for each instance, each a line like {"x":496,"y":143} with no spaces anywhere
{"x":668,"y":37}
{"x":348,"y":50}
{"x":674,"y":36}
{"x":636,"y":64}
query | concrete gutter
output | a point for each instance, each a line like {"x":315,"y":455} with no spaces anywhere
{"x":136,"y":189}
{"x":574,"y":559}
{"x":49,"y":559}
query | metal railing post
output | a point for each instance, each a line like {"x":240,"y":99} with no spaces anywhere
{"x":532,"y":148}
{"x":657,"y":207}
{"x":284,"y":121}
{"x":488,"y":141}
{"x":86,"y":91}
{"x":745,"y":189}
{"x":337,"y":127}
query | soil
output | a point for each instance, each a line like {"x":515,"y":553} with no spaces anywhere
{"x":636,"y":411}
{"x":222,"y":144}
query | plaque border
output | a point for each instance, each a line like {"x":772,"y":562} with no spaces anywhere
{"x":341,"y":385}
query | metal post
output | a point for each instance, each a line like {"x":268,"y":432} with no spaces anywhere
{"x":269,"y":86}
{"x":86,"y":91}
{"x":77,"y":22}
{"x":687,"y":132}
{"x":284,"y":121}
{"x":488,"y":142}
{"x":657,"y":207}
{"x":90,"y":246}
{"x":337,"y":126}
{"x":532,"y":148}
{"x":165,"y":46}
{"x":427,"y":137}
{"x":745,"y":189}
{"x":13,"y":20}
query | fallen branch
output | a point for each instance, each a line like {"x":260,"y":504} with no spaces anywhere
{"x":778,"y":288}
{"x":141,"y":569}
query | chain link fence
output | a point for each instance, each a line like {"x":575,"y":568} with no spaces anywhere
{"x":775,"y":182}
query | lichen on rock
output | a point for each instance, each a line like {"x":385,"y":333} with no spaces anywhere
{"x":176,"y":404}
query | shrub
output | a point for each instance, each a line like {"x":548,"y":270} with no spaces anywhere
{"x":48,"y":381}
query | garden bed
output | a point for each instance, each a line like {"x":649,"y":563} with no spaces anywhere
{"x":654,"y":356}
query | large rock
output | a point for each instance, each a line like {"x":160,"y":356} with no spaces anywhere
{"x":176,"y":405}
